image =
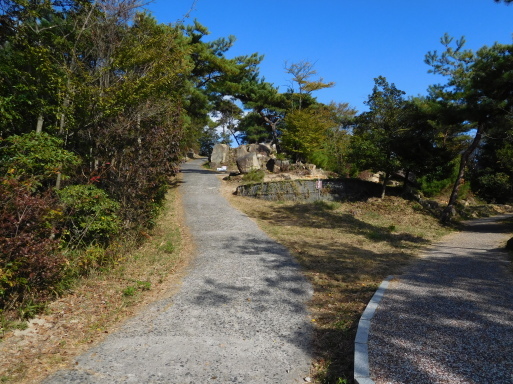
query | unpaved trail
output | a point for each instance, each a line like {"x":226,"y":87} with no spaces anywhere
{"x":449,"y":319}
{"x":239,"y":317}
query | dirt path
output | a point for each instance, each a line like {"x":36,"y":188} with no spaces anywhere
{"x":239,"y":317}
{"x":449,"y":319}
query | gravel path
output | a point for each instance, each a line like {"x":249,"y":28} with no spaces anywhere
{"x":449,"y":319}
{"x":239,"y":317}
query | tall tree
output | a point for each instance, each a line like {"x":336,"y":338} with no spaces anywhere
{"x":479,"y":82}
{"x":302,"y":73}
{"x":228,"y":114}
{"x":214,"y":76}
{"x":336,"y":147}
{"x":377,"y":133}
{"x":268,"y":110}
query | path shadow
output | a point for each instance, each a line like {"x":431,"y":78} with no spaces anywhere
{"x":276,"y":286}
{"x":198,"y":171}
{"x":494,"y":224}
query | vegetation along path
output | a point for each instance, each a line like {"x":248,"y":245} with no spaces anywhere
{"x":239,"y":317}
{"x":449,"y":319}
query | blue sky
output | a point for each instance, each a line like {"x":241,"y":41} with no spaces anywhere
{"x":350,"y":42}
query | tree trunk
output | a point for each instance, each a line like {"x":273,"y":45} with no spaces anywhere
{"x":406,"y":180}
{"x":448,"y":212}
{"x":384,"y":187}
{"x":39,"y":126}
{"x":58,"y":181}
{"x":274,"y":130}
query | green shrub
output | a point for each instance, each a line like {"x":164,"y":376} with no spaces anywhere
{"x":495,"y":187}
{"x":35,"y":159}
{"x":254,"y":176}
{"x":91,"y":216}
{"x":431,"y":187}
{"x":321,"y":159}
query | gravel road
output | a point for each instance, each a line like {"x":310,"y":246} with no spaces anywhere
{"x":449,"y":319}
{"x":239,"y":317}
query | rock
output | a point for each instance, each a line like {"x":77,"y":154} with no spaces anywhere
{"x":240,"y":151}
{"x":261,"y":149}
{"x":509,"y":244}
{"x":220,"y":155}
{"x":252,"y":148}
{"x":262,"y":160}
{"x":264,"y":149}
{"x":248,"y":162}
{"x":281,"y":166}
{"x":191,"y":155}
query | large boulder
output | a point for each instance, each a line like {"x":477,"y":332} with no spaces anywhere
{"x":248,"y":162}
{"x":220,"y":155}
{"x":277,"y":166}
{"x":263,"y":160}
{"x":240,"y":151}
{"x":261,"y":149}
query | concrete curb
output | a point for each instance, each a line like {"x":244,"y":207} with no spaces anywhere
{"x":361,"y":350}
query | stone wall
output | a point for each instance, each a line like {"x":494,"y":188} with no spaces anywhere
{"x":306,"y":190}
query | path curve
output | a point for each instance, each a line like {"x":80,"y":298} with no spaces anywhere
{"x":449,"y":319}
{"x":239,"y":317}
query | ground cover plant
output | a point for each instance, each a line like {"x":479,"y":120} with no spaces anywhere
{"x":346,"y":250}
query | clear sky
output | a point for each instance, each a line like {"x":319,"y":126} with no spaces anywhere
{"x":350,"y":41}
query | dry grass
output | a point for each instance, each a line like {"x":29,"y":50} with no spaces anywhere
{"x":99,"y":303}
{"x":346,"y":250}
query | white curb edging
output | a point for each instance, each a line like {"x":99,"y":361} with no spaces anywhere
{"x":361,"y":351}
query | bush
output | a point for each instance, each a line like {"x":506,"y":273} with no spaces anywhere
{"x":35,"y":159}
{"x":431,"y":187}
{"x":137,"y":176}
{"x":30,"y":261}
{"x":495,"y":187}
{"x":254,"y":176}
{"x":90,"y":215}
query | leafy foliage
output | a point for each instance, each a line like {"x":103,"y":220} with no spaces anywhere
{"x":90,"y":215}
{"x":479,"y":84}
{"x":36,"y":159}
{"x":98,"y":104}
{"x":306,"y":132}
{"x":378,"y":133}
{"x":30,"y":261}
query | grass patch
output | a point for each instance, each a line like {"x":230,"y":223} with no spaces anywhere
{"x":346,"y":250}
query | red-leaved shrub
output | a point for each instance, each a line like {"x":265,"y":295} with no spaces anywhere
{"x":30,"y":261}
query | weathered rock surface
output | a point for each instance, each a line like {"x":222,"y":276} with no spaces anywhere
{"x":220,"y":155}
{"x":240,"y":151}
{"x":248,"y":162}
